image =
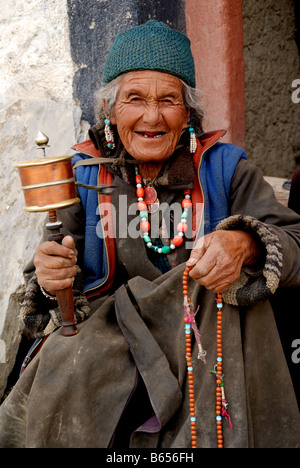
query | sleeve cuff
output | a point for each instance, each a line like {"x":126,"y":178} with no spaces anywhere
{"x":41,"y":316}
{"x":257,"y":286}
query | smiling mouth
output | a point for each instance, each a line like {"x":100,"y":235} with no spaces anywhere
{"x":151,"y":135}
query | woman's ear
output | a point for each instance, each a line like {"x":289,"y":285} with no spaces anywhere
{"x":112,"y":117}
{"x":188,"y":118}
{"x":104,"y":106}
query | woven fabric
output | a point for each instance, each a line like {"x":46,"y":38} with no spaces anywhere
{"x":151,"y":46}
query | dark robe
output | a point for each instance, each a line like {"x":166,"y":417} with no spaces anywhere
{"x":122,"y":381}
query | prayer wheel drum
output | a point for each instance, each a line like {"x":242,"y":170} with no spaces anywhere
{"x":48,"y":183}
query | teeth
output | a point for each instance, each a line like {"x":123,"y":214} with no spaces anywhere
{"x":154,"y":136}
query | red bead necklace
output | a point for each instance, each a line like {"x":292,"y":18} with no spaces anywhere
{"x":221,"y":403}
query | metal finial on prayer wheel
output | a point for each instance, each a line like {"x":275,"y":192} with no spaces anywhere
{"x":48,"y":184}
{"x":41,"y":139}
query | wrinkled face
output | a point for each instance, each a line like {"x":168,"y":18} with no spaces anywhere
{"x":150,"y":114}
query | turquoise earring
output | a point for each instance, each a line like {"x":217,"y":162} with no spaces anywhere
{"x":193,"y":141}
{"x":109,"y":136}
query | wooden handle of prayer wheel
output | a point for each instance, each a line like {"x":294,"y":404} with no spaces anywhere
{"x":64,"y":296}
{"x":66,"y":306}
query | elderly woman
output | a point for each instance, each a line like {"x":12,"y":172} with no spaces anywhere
{"x":172,"y":275}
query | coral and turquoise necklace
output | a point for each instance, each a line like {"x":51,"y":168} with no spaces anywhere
{"x":147,"y":197}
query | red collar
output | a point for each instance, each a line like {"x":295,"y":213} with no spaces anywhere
{"x":87,"y":147}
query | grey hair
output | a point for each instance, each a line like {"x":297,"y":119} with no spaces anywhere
{"x":109,"y":92}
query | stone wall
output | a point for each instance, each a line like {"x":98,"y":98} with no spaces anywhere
{"x":271,"y":65}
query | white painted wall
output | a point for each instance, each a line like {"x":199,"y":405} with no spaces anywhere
{"x":36,"y":74}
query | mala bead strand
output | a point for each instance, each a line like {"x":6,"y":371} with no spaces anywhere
{"x":221,"y":403}
{"x":190,"y":324}
{"x":219,"y":372}
{"x":188,"y":353}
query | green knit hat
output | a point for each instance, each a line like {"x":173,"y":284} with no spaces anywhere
{"x":151,"y":46}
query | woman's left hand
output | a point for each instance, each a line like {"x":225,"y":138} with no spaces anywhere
{"x":219,"y":256}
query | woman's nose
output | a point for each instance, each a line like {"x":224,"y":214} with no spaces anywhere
{"x":152,"y":115}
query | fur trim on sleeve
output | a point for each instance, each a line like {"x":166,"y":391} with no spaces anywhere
{"x":257,"y":287}
{"x":41,"y":316}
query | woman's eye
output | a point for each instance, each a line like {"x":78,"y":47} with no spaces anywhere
{"x":135,"y":99}
{"x":167,"y":101}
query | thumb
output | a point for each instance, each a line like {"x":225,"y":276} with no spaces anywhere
{"x":68,"y":241}
{"x":196,"y":253}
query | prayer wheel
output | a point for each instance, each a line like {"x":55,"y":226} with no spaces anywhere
{"x":47,"y":183}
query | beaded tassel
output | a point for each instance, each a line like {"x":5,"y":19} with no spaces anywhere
{"x":189,"y":319}
{"x":193,"y":141}
{"x":109,"y":136}
{"x":221,"y":403}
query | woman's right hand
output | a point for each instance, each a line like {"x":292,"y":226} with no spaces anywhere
{"x":55,"y":264}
